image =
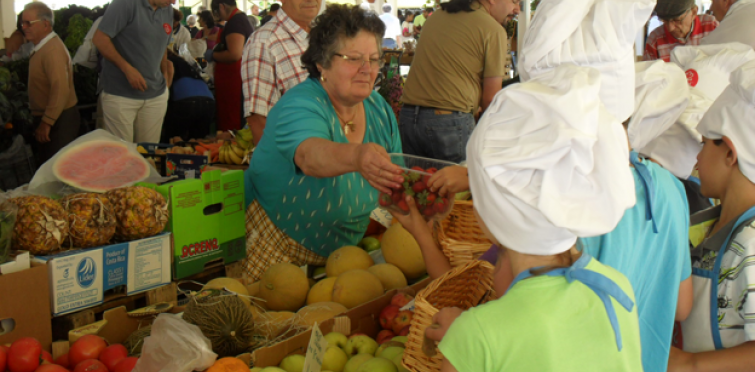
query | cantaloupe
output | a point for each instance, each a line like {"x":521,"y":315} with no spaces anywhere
{"x":390,"y":275}
{"x":356,"y":287}
{"x":284,"y":287}
{"x":345,"y":259}
{"x":401,"y":249}
{"x":322,"y":291}
{"x":230,"y":284}
{"x":273,"y":323}
{"x":319,"y":313}
{"x":253,"y":289}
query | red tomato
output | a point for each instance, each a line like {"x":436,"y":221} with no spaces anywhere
{"x":47,"y":356}
{"x":63,"y":361}
{"x":50,"y":368}
{"x":24,"y":355}
{"x":87,"y":347}
{"x":90,"y":365}
{"x":112,"y":355}
{"x":126,"y":365}
{"x":3,"y":359}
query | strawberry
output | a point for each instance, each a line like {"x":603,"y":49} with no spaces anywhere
{"x":426,"y":179}
{"x":429,"y":211}
{"x":397,"y":194}
{"x":441,"y":205}
{"x":385,"y":200}
{"x":403,"y":206}
{"x":419,"y":187}
{"x":431,"y":170}
{"x":431,"y":197}
{"x":418,"y":168}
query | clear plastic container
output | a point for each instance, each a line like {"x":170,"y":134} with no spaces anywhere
{"x":417,"y":171}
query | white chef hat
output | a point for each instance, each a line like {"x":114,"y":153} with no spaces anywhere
{"x":594,"y":33}
{"x":707,"y":68}
{"x":661,"y":95}
{"x":731,"y":115}
{"x":547,"y":163}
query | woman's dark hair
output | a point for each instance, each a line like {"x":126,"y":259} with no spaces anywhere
{"x":455,"y":6}
{"x":338,"y":22}
{"x":215,"y":4}
{"x":207,"y":18}
{"x":275,"y":7}
{"x":177,"y":15}
{"x":408,"y":13}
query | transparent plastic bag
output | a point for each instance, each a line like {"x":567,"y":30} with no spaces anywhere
{"x":175,"y":346}
{"x":8,"y":213}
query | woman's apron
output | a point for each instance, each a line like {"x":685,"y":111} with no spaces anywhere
{"x":700,"y":331}
{"x":228,"y":95}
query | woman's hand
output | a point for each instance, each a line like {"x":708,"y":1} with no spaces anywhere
{"x":414,"y":223}
{"x":449,"y":180}
{"x":374,"y":164}
{"x":441,"y":322}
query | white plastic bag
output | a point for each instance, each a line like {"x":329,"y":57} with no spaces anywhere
{"x":197,"y":47}
{"x":86,"y":55}
{"x":184,"y":53}
{"x":175,"y":346}
{"x":46,"y":183}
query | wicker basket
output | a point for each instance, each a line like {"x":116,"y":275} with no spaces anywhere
{"x":460,"y":237}
{"x":464,"y":287}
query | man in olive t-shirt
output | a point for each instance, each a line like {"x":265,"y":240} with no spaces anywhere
{"x":458,"y":67}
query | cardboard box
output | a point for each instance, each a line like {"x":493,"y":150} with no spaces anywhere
{"x":25,"y":306}
{"x":79,"y":278}
{"x":361,"y":319}
{"x":180,"y":165}
{"x":207,"y":219}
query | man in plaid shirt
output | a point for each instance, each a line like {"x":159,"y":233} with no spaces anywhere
{"x":681,"y":26}
{"x":271,"y":64}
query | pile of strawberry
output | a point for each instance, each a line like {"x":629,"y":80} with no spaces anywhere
{"x":415,"y":185}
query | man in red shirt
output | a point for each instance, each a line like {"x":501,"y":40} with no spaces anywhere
{"x":681,"y":26}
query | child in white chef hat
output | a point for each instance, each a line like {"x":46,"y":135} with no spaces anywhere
{"x":547,"y":164}
{"x":719,"y":334}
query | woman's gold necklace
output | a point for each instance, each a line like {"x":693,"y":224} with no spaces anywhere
{"x":348,"y":125}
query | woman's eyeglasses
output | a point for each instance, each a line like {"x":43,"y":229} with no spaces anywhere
{"x":358,"y":62}
{"x":29,"y":23}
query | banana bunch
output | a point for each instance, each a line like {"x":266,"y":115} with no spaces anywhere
{"x":232,"y":153}
{"x":244,"y":138}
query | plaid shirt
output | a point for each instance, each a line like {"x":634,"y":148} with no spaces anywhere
{"x":271,"y":64}
{"x":660,"y":42}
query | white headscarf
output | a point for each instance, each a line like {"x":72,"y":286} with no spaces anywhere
{"x":732,"y":115}
{"x":661,"y":95}
{"x":547,"y":163}
{"x":594,"y":33}
{"x":707,"y":69}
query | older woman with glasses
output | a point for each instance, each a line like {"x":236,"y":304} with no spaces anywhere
{"x":315,"y":175}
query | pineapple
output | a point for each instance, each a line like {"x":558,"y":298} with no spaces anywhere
{"x":140,"y":212}
{"x":91,"y":219}
{"x":41,"y":225}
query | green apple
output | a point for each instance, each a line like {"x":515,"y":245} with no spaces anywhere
{"x":361,"y":345}
{"x":292,"y":363}
{"x":334,"y":359}
{"x":274,"y":369}
{"x":357,"y":360}
{"x":398,"y":361}
{"x":336,"y":339}
{"x":391,"y":352}
{"x":386,"y":345}
{"x":369,"y":244}
{"x":378,"y":365}
{"x":401,"y":339}
{"x":256,"y":369}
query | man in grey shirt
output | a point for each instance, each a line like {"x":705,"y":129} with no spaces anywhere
{"x":133,"y":37}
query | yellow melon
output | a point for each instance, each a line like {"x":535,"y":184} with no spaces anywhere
{"x":274,"y":323}
{"x":322,"y":291}
{"x":389,"y":275}
{"x":319,"y":313}
{"x":253,"y":289}
{"x":229,"y":284}
{"x":401,"y":249}
{"x":284,"y":287}
{"x":356,"y":287}
{"x":345,"y":259}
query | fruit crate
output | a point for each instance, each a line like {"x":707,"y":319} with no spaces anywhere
{"x":180,"y":165}
{"x":417,"y":172}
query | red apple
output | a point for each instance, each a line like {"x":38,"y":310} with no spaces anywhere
{"x":401,"y":299}
{"x":403,"y":319}
{"x":126,"y":365}
{"x":387,"y":315}
{"x":384,"y":336}
{"x":63,"y":361}
{"x":90,"y":365}
{"x":404,"y":331}
{"x":112,"y":355}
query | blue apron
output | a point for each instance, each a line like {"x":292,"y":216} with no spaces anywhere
{"x":604,"y":287}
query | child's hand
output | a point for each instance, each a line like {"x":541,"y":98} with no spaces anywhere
{"x":414,"y":223}
{"x":441,"y":322}
{"x":449,"y":180}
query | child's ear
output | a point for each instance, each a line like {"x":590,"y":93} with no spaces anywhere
{"x":731,"y":154}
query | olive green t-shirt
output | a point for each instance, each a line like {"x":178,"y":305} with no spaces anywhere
{"x":456,"y":51}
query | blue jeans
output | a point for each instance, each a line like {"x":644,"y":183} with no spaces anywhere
{"x":437,"y":136}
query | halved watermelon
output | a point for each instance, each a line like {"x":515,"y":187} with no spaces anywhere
{"x":100,"y":166}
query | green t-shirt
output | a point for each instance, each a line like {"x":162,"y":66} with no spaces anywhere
{"x":419,"y":20}
{"x":322,"y":214}
{"x":545,"y":323}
